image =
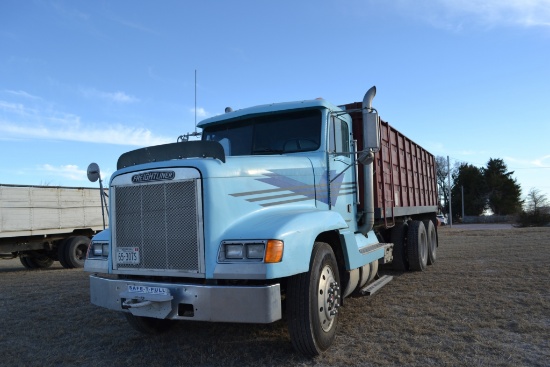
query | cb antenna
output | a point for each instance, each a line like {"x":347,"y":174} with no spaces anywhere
{"x":195,"y":101}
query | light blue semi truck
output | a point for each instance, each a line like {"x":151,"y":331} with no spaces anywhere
{"x":279,"y":211}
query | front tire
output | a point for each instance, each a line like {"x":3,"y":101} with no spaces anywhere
{"x":313,"y":299}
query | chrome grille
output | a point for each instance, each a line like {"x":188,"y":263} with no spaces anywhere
{"x":162,"y":220}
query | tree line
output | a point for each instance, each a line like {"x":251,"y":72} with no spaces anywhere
{"x":492,"y":187}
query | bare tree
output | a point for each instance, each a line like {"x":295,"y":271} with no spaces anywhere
{"x":442,"y":173}
{"x":536,"y":200}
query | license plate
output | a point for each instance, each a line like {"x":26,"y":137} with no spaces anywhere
{"x":127,"y":255}
{"x":148,"y":290}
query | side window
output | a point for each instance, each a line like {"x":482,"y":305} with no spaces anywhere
{"x":338,"y":137}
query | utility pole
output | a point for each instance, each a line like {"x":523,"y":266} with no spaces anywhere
{"x":462,"y":191}
{"x":449,"y":188}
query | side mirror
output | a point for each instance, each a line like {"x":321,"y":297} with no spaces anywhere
{"x":93,"y":172}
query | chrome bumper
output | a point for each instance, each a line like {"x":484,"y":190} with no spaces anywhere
{"x":244,"y":304}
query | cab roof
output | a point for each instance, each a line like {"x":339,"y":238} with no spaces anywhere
{"x":267,"y":108}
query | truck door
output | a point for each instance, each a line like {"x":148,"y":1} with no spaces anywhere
{"x":341,"y":171}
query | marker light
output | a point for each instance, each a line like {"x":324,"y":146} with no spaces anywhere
{"x":274,"y":251}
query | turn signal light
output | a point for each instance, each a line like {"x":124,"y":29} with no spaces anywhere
{"x":274,"y":251}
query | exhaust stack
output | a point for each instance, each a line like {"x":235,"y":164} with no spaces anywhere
{"x":371,"y":145}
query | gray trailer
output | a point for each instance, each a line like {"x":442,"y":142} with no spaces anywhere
{"x":43,"y":224}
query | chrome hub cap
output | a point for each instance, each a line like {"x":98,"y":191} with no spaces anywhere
{"x":328,"y":298}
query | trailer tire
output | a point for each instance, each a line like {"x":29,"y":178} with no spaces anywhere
{"x":312,"y":301}
{"x":75,"y":251}
{"x":61,"y":253}
{"x":399,"y":239}
{"x":432,"y":241}
{"x":36,"y":261}
{"x":25,"y":263}
{"x":148,"y":325}
{"x":417,"y":246}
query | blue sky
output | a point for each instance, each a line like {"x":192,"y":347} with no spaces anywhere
{"x":85,"y":81}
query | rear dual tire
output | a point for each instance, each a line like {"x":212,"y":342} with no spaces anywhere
{"x":417,"y":246}
{"x":399,"y":240}
{"x":432,"y":241}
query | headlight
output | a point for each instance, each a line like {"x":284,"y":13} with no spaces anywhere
{"x":100,"y":249}
{"x":234,"y":251}
{"x":251,"y":250}
{"x":255,"y":251}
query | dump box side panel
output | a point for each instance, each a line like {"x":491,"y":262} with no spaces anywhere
{"x":404,"y":176}
{"x":35,"y":210}
{"x":404,"y":173}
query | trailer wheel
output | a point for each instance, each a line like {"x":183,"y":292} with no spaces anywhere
{"x":26,"y":264}
{"x":36,"y":261}
{"x":148,"y":325}
{"x":417,"y":246}
{"x":399,"y":239}
{"x":313,"y":299}
{"x":75,"y":251}
{"x":432,"y":241}
{"x":61,"y":253}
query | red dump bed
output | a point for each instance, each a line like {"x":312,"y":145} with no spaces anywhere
{"x":405,"y":180}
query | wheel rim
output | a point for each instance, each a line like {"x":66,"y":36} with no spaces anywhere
{"x":328,"y":298}
{"x":80,"y":252}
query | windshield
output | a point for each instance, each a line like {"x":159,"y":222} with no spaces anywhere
{"x":271,"y":134}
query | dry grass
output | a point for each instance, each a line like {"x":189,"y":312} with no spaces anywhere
{"x":485,"y":303}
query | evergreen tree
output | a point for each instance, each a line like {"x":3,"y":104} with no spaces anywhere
{"x":504,"y":193}
{"x":471,"y":179}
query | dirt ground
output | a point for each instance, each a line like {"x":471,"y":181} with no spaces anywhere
{"x":486,"y":302}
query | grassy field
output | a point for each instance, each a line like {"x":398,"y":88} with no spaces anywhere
{"x":485,"y":303}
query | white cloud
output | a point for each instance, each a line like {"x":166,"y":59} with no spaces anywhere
{"x":16,"y":108}
{"x":29,"y":123}
{"x":542,"y":161}
{"x":493,"y":12}
{"x":457,"y":14}
{"x":116,"y":134}
{"x":538,"y":162}
{"x":21,"y":93}
{"x":69,"y":171}
{"x":117,"y":97}
{"x":201,"y":112}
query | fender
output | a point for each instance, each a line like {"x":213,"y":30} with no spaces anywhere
{"x":298,"y":229}
{"x":99,"y":265}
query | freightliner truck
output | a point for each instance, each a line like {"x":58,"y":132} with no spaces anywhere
{"x":279,"y":211}
{"x":43,"y":224}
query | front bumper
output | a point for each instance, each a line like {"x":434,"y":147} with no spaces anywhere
{"x":244,"y":304}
